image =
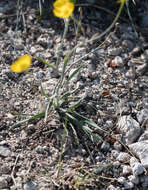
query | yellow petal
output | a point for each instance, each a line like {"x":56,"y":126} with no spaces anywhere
{"x":63,"y":8}
{"x":21,"y":64}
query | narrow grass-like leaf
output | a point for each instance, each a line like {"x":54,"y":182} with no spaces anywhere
{"x":40,"y":7}
{"x":90,"y":122}
{"x":74,"y":106}
{"x":64,"y":96}
{"x":45,"y":62}
{"x":47,"y":110}
{"x":93,"y":137}
{"x":75,"y":134}
{"x":79,"y":24}
{"x":66,"y":59}
{"x":73,"y":74}
{"x":36,"y":116}
{"x":44,"y":93}
{"x":68,"y":56}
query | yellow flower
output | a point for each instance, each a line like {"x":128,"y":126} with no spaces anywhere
{"x":121,"y":1}
{"x":21,"y":64}
{"x":63,"y":8}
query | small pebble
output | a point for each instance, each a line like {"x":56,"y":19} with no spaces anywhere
{"x":121,"y":180}
{"x":118,"y":61}
{"x":134,"y":179}
{"x":3,"y":182}
{"x":5,"y":151}
{"x":126,"y":169}
{"x":105,"y":146}
{"x":128,"y":185}
{"x":133,"y":160}
{"x":117,"y":146}
{"x":114,"y":51}
{"x":109,"y":123}
{"x":137,"y":169}
{"x":123,"y":157}
{"x":31,"y":185}
{"x":40,"y":150}
{"x":144,"y":181}
{"x":115,"y":153}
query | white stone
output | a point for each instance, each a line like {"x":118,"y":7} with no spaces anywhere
{"x":144,"y":136}
{"x":123,"y":157}
{"x":142,"y":115}
{"x":133,"y":160}
{"x":126,"y":170}
{"x":4,"y":151}
{"x":121,"y":180}
{"x":140,"y":149}
{"x":30,"y":186}
{"x":114,"y":51}
{"x":128,"y":185}
{"x":130,"y":128}
{"x":118,"y":61}
{"x":137,"y":169}
{"x":134,"y":179}
{"x":3,"y":182}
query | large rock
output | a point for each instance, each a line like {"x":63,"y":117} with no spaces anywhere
{"x":140,"y":149}
{"x":130,"y":129}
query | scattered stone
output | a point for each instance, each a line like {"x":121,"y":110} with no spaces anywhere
{"x":93,"y":75}
{"x":39,"y":75}
{"x":3,"y":182}
{"x":100,"y":122}
{"x":111,"y":187}
{"x":128,"y":185}
{"x":33,"y":50}
{"x":5,"y":151}
{"x":137,"y":169}
{"x":40,"y":150}
{"x":105,"y":146}
{"x":130,"y":129}
{"x":144,"y":181}
{"x":80,"y":50}
{"x":42,"y":41}
{"x":4,"y":143}
{"x":114,"y":51}
{"x":117,"y":146}
{"x":128,"y":36}
{"x":109,"y":123}
{"x":123,"y":157}
{"x":121,"y":180}
{"x":116,"y":164}
{"x":128,"y":44}
{"x":126,"y":169}
{"x":140,"y":149}
{"x":142,"y":116}
{"x":144,"y":136}
{"x":31,"y":185}
{"x":5,"y":169}
{"x":134,"y":179}
{"x":133,"y":160}
{"x":118,"y":61}
{"x":23,"y":134}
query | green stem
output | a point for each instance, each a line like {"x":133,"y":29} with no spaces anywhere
{"x":62,"y":146}
{"x":57,"y":63}
{"x":111,"y":26}
{"x":66,"y":21}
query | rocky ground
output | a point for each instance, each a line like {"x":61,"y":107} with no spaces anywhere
{"x":114,"y":80}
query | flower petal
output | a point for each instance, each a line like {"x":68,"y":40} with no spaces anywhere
{"x":21,"y":64}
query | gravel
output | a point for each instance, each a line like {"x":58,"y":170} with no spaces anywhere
{"x":113,"y":83}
